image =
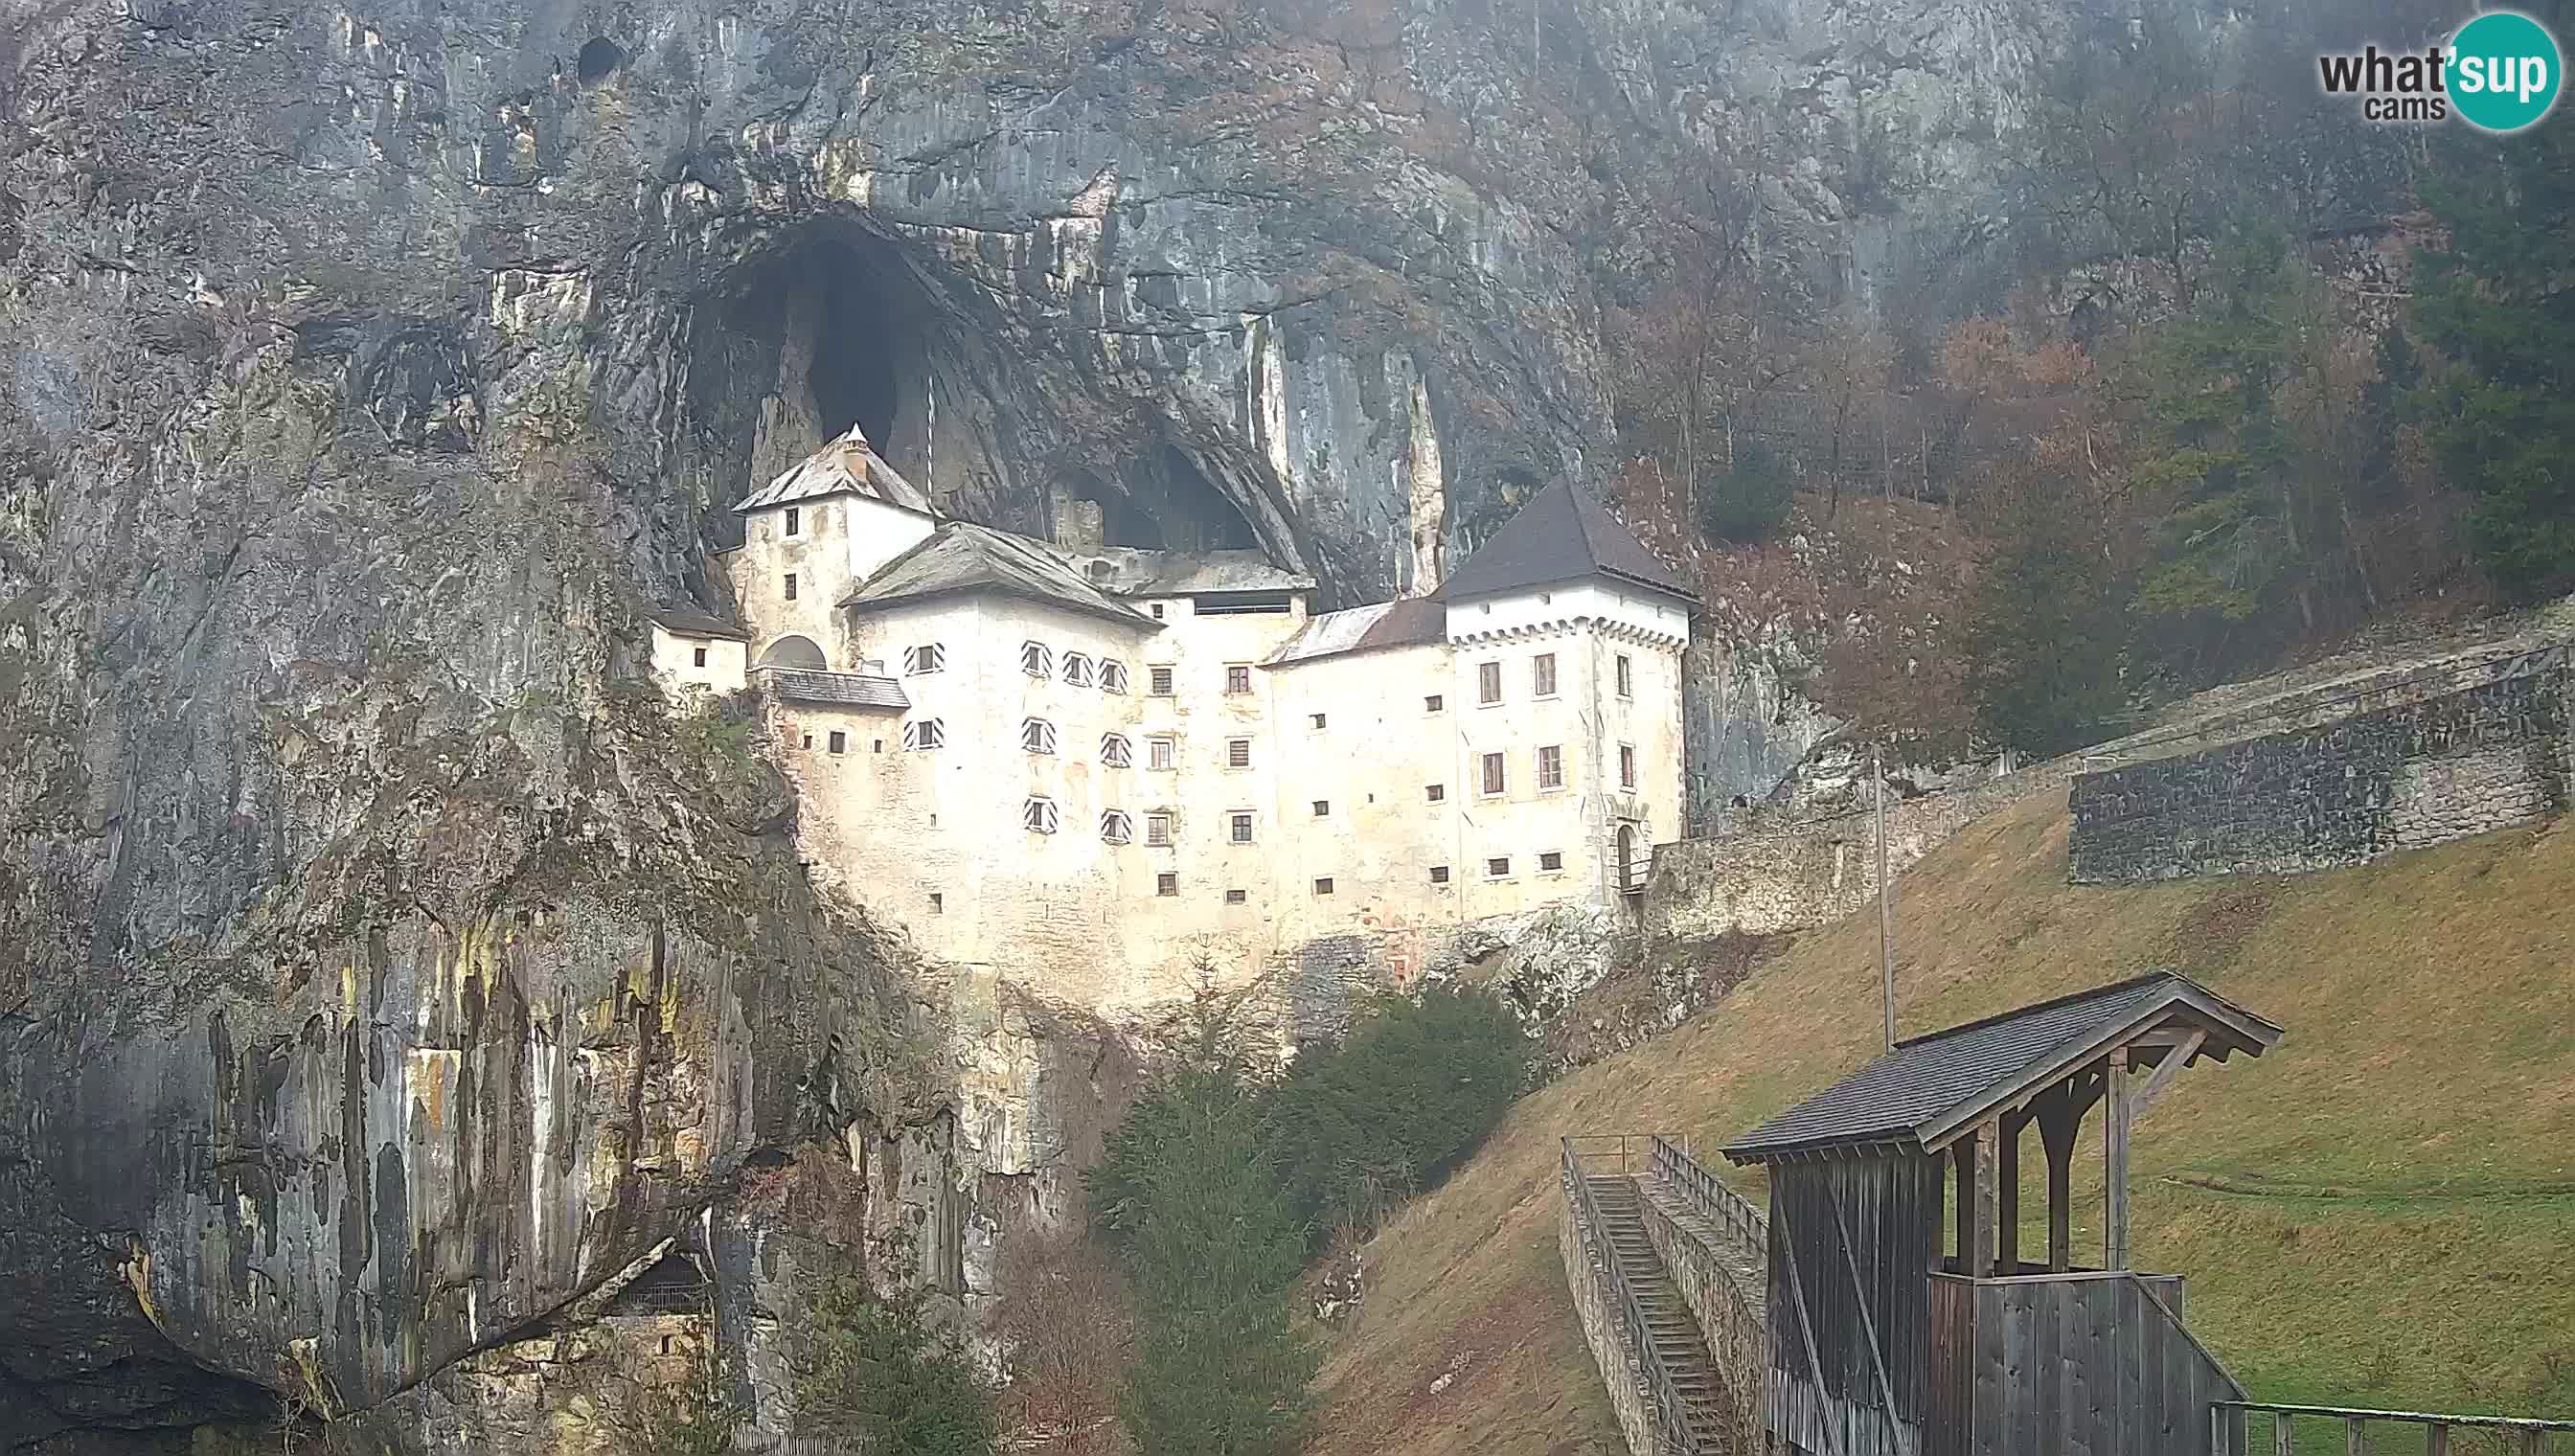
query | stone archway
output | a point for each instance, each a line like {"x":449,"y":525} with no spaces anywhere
{"x":795,"y":652}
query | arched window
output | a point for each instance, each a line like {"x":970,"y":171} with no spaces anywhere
{"x":1116,"y":751}
{"x":1076,"y":670}
{"x":1038,"y":815}
{"x":797,"y":652}
{"x":1037,"y":736}
{"x":1116,"y":827}
{"x":926,"y":733}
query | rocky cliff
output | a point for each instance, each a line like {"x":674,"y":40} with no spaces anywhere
{"x":380,"y":970}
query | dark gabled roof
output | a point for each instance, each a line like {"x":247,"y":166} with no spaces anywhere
{"x":837,"y":690}
{"x":1400,"y":624}
{"x":690,"y":621}
{"x":962,"y":558}
{"x":1562,"y":535}
{"x":1920,"y":1095}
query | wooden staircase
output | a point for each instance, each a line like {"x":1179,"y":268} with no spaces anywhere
{"x":1670,"y":1327}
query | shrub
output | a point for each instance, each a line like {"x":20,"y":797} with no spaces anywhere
{"x":1749,"y":501}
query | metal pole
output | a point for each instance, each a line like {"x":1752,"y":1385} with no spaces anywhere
{"x":1885,"y":916}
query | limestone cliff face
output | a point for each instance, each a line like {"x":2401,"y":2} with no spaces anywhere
{"x":380,"y":969}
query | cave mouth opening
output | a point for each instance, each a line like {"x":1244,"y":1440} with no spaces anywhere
{"x":864,"y":347}
{"x":1164,"y":501}
{"x":857,"y":336}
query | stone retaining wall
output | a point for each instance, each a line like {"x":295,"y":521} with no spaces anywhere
{"x":2443,"y":763}
{"x":1595,"y":1311}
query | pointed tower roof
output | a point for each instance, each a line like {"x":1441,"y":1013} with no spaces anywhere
{"x":1562,"y":535}
{"x":846,"y":465}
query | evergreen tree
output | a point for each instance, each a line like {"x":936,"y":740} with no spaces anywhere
{"x":2040,"y":638}
{"x":874,"y":1373}
{"x":2498,"y":299}
{"x":1213,"y":1247}
{"x":1750,"y":501}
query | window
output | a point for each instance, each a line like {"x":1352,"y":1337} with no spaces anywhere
{"x":1433,"y":702}
{"x":1322,"y":807}
{"x":809,"y":740}
{"x":1550,"y":767}
{"x":1323,"y":886}
{"x":840,"y":742}
{"x":1116,"y":751}
{"x":697,"y":657}
{"x":1112,"y":676}
{"x":1076,"y":670}
{"x":1038,"y":815}
{"x":1498,"y":868}
{"x":938,"y":904}
{"x":1626,"y":765}
{"x":1159,"y":682}
{"x":1542,"y":675}
{"x":928,"y":733}
{"x":1318,"y":717}
{"x":1235,"y":897}
{"x":1037,"y":659}
{"x":1551,"y":861}
{"x":876,"y":745}
{"x":926,"y":657}
{"x":1167,"y":882}
{"x":795,"y":520}
{"x":1435,"y":793}
{"x":1157,"y":611}
{"x":1162,"y":753}
{"x":1626,"y":676}
{"x":1439,"y":875}
{"x":1494,"y":781}
{"x":1238,"y":753}
{"x":1037,"y":736}
{"x":1238,"y":678}
{"x":1158,"y":827}
{"x":1115,"y":827}
{"x":1239,"y":828}
{"x":1488,"y":682}
{"x":791,"y":585}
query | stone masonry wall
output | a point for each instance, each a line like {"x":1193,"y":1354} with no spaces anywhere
{"x":1724,"y":1298}
{"x":2450,"y":765}
{"x":1618,"y":1373}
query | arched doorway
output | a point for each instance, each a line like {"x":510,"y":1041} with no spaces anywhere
{"x":794,"y":651}
{"x":1627,"y":857}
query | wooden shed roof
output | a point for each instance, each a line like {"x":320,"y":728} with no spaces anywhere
{"x":1932,"y":1088}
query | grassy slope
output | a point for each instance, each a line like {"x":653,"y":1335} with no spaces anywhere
{"x":2381,"y":1212}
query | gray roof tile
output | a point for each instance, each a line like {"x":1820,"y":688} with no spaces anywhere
{"x":1914,"y":1092}
{"x":846,"y":465}
{"x":961,"y":557}
{"x":838,"y":690}
{"x":1562,"y":535}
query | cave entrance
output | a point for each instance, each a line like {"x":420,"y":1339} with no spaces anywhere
{"x":1163,"y":503}
{"x":856,"y":334}
{"x":862,"y":347}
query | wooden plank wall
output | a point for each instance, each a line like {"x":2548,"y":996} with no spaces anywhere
{"x":2086,"y":1367}
{"x":1865,"y":1235}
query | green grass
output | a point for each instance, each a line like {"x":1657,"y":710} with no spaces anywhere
{"x":2374,"y":1214}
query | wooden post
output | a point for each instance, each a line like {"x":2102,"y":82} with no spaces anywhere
{"x":2114,"y":1164}
{"x":2283,"y":1443}
{"x":2436,"y":1442}
{"x":2355,"y":1436}
{"x":2058,"y":1117}
{"x":2007,"y":1207}
{"x":1963,"y":1153}
{"x":1989,"y":1139}
{"x":1886,"y":915}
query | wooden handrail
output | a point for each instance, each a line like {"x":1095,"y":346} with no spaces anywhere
{"x":1672,"y":1419}
{"x":2358,"y":1420}
{"x":1707,"y":1194}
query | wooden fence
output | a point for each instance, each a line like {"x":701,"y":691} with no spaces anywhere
{"x":2071,"y":1362}
{"x":2431,"y":1433}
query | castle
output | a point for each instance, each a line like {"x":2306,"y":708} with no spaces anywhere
{"x":1091,"y":770}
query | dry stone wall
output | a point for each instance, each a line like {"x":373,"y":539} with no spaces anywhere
{"x":2456,"y":762}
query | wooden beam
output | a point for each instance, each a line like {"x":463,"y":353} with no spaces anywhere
{"x":2174,"y":1061}
{"x":1963,"y":1153}
{"x":2058,"y":1117}
{"x":2007,"y":1203}
{"x":2114,"y":1165}
{"x":1989,"y":1139}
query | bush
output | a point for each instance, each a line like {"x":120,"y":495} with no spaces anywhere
{"x":1749,"y":501}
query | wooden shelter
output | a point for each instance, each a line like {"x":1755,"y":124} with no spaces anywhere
{"x":1899,"y":1330}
